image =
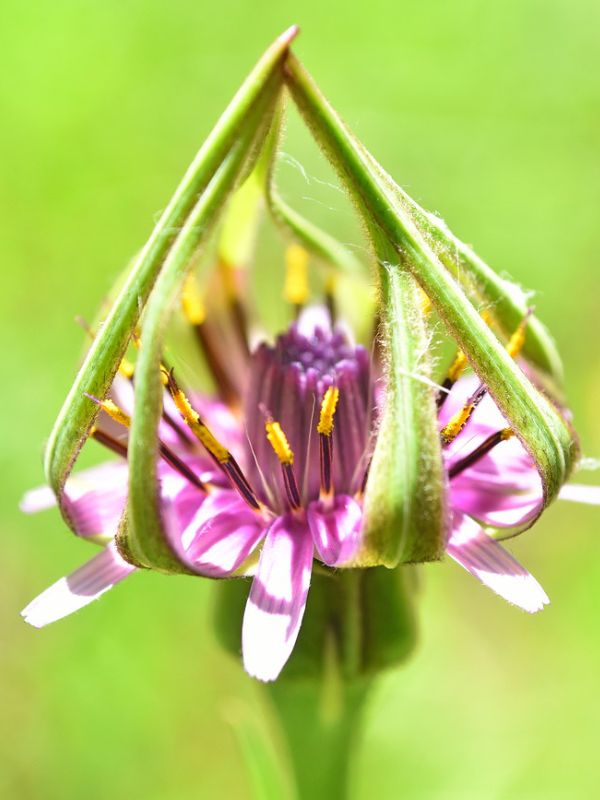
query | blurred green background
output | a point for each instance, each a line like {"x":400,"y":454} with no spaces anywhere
{"x":486,"y":112}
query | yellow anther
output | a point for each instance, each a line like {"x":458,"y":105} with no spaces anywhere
{"x":331,"y":282}
{"x":425,"y":303}
{"x":456,"y":423}
{"x":486,"y":316}
{"x":229,"y":278}
{"x":116,"y":413}
{"x":517,"y":340}
{"x":506,"y":433}
{"x":126,"y":368}
{"x":279,"y":443}
{"x":198,"y":428}
{"x":191,"y":302}
{"x":328,"y":407}
{"x":213,"y":446}
{"x":295,"y":289}
{"x":458,"y":366}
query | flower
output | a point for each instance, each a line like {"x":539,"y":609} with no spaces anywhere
{"x":274,"y":477}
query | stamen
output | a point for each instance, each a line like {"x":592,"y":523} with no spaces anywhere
{"x":219,"y":453}
{"x":112,"y":409}
{"x":192,"y":303}
{"x":425,"y":303}
{"x":513,"y":348}
{"x":456,"y":424}
{"x":363,"y":484}
{"x":283,"y":451}
{"x":119,"y":416}
{"x":195,"y":424}
{"x":109,"y":442}
{"x":325,"y":430}
{"x":295,"y":289}
{"x":236,"y":307}
{"x":328,"y":407}
{"x":279,"y":442}
{"x":330,"y":303}
{"x":194,"y":311}
{"x":517,"y":340}
{"x":480,"y":451}
{"x":458,"y":366}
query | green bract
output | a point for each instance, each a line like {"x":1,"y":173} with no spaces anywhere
{"x":405,"y":514}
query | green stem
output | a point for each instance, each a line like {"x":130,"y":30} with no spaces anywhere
{"x":322,"y":732}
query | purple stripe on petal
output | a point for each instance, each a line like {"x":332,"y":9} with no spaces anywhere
{"x":494,"y":566}
{"x":502,"y":489}
{"x":580,"y":493}
{"x":78,"y":589}
{"x":222,"y":536}
{"x":335,"y":531}
{"x":95,"y":498}
{"x":277,"y":599}
{"x":503,"y":500}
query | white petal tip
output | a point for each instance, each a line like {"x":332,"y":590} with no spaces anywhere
{"x":522,"y":591}
{"x":266,"y":643}
{"x":580,"y":493}
{"x":37,"y":500}
{"x":56,"y":602}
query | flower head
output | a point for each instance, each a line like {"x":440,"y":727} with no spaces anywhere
{"x":268,"y":476}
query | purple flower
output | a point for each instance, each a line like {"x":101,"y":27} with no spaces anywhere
{"x":273,"y":479}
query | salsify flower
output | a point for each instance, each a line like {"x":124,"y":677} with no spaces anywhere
{"x":269,"y":476}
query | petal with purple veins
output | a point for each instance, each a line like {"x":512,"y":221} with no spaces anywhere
{"x":78,"y":589}
{"x":95,"y":499}
{"x":503,"y":489}
{"x":494,"y":566}
{"x":221,"y":535}
{"x":277,"y":599}
{"x":336,"y":530}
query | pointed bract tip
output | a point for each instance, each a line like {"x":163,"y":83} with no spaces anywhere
{"x":288,"y":36}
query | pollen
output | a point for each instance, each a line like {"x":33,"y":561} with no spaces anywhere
{"x":457,"y":423}
{"x":458,"y":366}
{"x":126,"y":368}
{"x":517,"y":340}
{"x":279,"y":443}
{"x":425,"y":303}
{"x":227,"y":272}
{"x":113,"y":411}
{"x":191,"y":302}
{"x":195,"y":424}
{"x":328,"y":407}
{"x":295,"y":289}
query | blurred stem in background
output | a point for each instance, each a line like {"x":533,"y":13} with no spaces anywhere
{"x":358,"y":623}
{"x":323,"y":740}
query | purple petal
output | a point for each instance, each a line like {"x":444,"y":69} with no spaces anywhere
{"x":220,"y":535}
{"x":503,"y":489}
{"x":95,"y":499}
{"x":277,"y":599}
{"x":312,"y":318}
{"x":78,"y":589}
{"x":494,"y":566}
{"x":580,"y":493}
{"x":335,"y":531}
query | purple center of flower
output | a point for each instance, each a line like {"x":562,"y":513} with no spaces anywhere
{"x":288,"y":381}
